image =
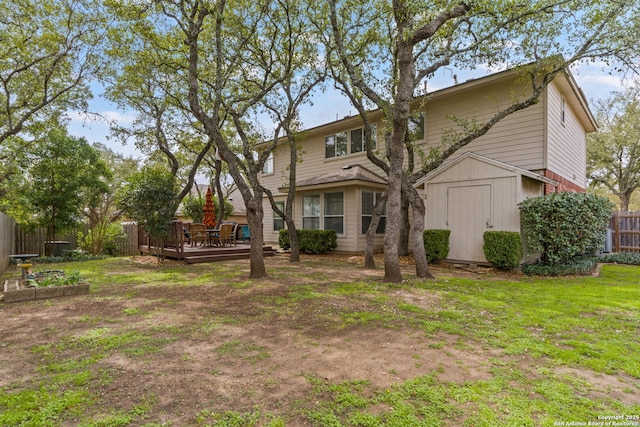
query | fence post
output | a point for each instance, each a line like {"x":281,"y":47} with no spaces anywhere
{"x":616,"y":228}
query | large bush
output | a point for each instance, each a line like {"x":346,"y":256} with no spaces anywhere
{"x":150,"y":198}
{"x":436,"y":244}
{"x":503,"y":249}
{"x":111,"y":238}
{"x":193,"y":207}
{"x":561,"y":226}
{"x":310,"y":241}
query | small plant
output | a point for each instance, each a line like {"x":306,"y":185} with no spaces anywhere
{"x":73,"y":278}
{"x":54,"y":278}
{"x":436,"y":244}
{"x":503,"y":249}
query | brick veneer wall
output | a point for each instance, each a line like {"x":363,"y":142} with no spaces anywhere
{"x":564,"y":184}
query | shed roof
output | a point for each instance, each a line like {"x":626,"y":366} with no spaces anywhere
{"x":478,"y":157}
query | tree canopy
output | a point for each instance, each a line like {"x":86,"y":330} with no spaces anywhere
{"x":49,"y":51}
{"x":60,"y":174}
{"x":613,"y":153}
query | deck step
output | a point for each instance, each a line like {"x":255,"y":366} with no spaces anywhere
{"x":226,"y":256}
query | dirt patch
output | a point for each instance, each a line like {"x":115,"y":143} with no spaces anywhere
{"x":221,"y":348}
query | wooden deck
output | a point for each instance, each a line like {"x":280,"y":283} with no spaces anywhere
{"x":192,"y":255}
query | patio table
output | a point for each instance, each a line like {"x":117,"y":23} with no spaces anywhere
{"x":211,"y":232}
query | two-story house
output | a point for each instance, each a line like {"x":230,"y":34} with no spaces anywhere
{"x":534,"y":151}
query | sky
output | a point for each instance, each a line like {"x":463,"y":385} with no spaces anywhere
{"x":328,"y":106}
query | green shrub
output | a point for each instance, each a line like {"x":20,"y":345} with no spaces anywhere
{"x":113,"y":239}
{"x":106,"y":240}
{"x":310,"y":241}
{"x":68,"y":256}
{"x":561,"y":226}
{"x":621,"y":258}
{"x":579,"y":266}
{"x":503,"y":249}
{"x":193,"y":207}
{"x":436,"y":244}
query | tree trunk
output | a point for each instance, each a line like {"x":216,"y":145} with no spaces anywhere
{"x":395,"y":152}
{"x":419,"y":253}
{"x":370,"y":237}
{"x":255,"y":215}
{"x":294,"y":245}
{"x":625,"y":198}
{"x":218,"y":190}
{"x":294,"y":254}
{"x":395,"y":155}
{"x":405,"y":227}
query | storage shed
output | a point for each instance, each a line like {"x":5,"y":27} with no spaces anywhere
{"x":473,"y":194}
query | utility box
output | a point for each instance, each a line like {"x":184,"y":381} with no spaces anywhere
{"x":59,"y":247}
{"x":608,"y":241}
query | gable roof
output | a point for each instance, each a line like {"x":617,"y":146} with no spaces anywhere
{"x":348,"y":175}
{"x":478,"y":157}
{"x":565,"y":80}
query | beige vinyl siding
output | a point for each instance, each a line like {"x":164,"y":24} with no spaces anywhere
{"x":567,"y":142}
{"x":504,"y":194}
{"x":530,"y":188}
{"x":347,"y":241}
{"x":471,"y":172}
{"x":270,"y":236}
{"x":472,"y":196}
{"x":517,"y":139}
{"x":311,"y":152}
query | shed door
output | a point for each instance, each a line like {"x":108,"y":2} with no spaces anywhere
{"x":468,"y":217}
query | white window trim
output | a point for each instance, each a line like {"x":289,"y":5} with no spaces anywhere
{"x":267,"y":168}
{"x":347,"y":133}
{"x":323,"y":215}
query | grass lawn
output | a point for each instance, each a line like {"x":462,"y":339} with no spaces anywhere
{"x":322,"y":343}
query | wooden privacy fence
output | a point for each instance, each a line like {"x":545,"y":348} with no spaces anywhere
{"x":130,"y":246}
{"x":625,"y":231}
{"x":6,"y":240}
{"x":27,"y":243}
{"x":34,"y":242}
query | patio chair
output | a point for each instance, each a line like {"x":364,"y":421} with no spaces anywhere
{"x":198,"y":234}
{"x":234,"y":231}
{"x":224,"y":235}
{"x":246,"y":235}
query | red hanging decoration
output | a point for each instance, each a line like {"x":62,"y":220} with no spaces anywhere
{"x":209,"y":210}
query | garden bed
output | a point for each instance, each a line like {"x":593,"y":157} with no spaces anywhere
{"x":45,"y":287}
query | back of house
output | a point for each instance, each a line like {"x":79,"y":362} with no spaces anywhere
{"x":534,"y":151}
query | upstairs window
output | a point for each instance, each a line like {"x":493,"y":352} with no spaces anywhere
{"x":416,"y":127}
{"x":267,"y":168}
{"x":335,"y":145}
{"x":357,"y":139}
